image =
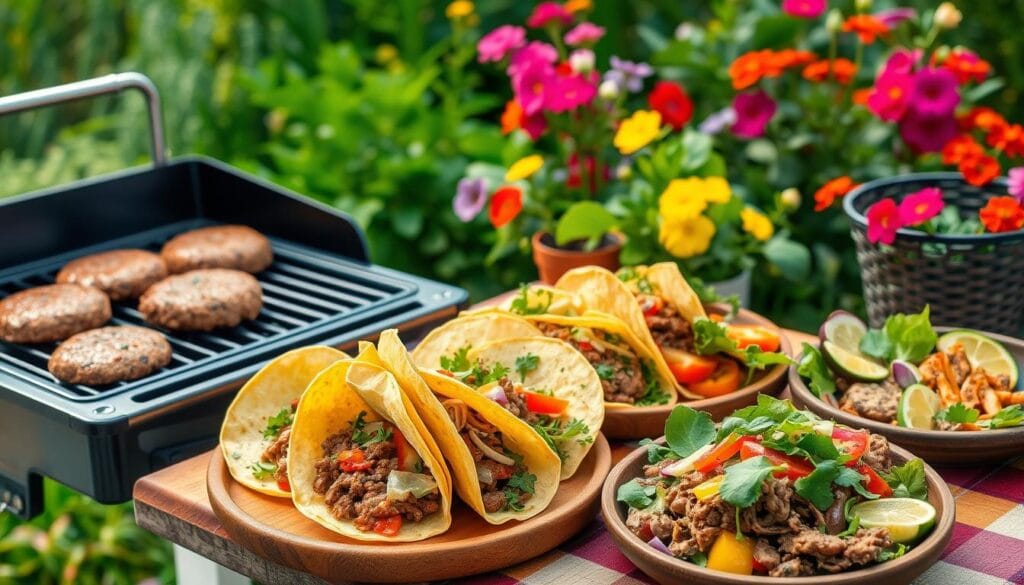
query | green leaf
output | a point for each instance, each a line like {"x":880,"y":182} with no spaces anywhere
{"x":958,"y":413}
{"x":775,"y":32}
{"x":876,"y":344}
{"x":912,"y":335}
{"x":714,"y":167}
{"x":813,"y":368}
{"x":793,"y":259}
{"x":276,"y":423}
{"x":742,"y":484}
{"x":584,"y":220}
{"x":522,"y":481}
{"x":1010,"y":416}
{"x":762,"y":151}
{"x":816,"y":487}
{"x":636,"y":495}
{"x":851,"y":478}
{"x":687,"y":430}
{"x":818,"y":447}
{"x":407,"y":221}
{"x":697,"y":150}
{"x":983,"y":90}
{"x":907,"y":480}
{"x":526,"y":364}
{"x":710,"y":338}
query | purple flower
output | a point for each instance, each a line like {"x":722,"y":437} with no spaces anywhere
{"x":585,"y":33}
{"x":934,"y":93}
{"x":627,"y":74}
{"x":718,"y":121}
{"x":500,"y":42}
{"x":1016,"y":181}
{"x":470,"y":198}
{"x":893,"y":18}
{"x":753,"y":112}
{"x":924,"y":133}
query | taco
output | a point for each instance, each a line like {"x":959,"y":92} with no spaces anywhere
{"x":540,"y":299}
{"x":257,"y":426}
{"x":501,"y":467}
{"x":467,"y":329}
{"x":361,"y":462}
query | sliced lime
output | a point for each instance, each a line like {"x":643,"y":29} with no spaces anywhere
{"x":843,"y":329}
{"x":983,"y":352}
{"x":854,"y":364}
{"x":918,"y":406}
{"x":907,"y":519}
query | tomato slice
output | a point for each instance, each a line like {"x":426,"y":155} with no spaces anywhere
{"x":796,"y":467}
{"x":585,"y":346}
{"x":689,"y":368}
{"x":351,"y":460}
{"x":543,"y":404}
{"x":850,"y":442}
{"x":748,"y":335}
{"x":722,"y":452}
{"x":874,"y":482}
{"x":651,"y":305}
{"x":726,"y":378}
{"x":283,"y":485}
{"x":408,"y":458}
{"x":388,"y":526}
{"x":717,"y":318}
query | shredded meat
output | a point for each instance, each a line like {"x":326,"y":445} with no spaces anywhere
{"x":795,"y":567}
{"x":621,"y":374}
{"x":875,"y":401}
{"x":277,"y":454}
{"x":878,"y":455}
{"x":864,"y":546}
{"x":766,"y":555}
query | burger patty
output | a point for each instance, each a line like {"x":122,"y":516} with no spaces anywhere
{"x":228,"y":246}
{"x":52,"y":312}
{"x":202,"y":300}
{"x":110,"y":354}
{"x":122,"y":274}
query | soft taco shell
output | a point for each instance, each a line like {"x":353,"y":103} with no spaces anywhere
{"x":556,"y":300}
{"x":333,"y":400}
{"x":670,"y":283}
{"x":274,"y":387}
{"x":565,"y":373}
{"x":467,"y":330}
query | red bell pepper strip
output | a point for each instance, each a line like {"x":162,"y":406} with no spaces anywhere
{"x":543,"y":404}
{"x":722,"y":452}
{"x":796,"y":467}
{"x":874,"y":482}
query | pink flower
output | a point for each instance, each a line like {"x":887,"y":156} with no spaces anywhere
{"x":934,"y":93}
{"x":585,"y":33}
{"x":533,"y":53}
{"x":568,"y":93}
{"x":927,"y":133}
{"x":902,"y":62}
{"x":889,"y":99}
{"x":883,"y":221}
{"x":804,"y":8}
{"x":498,"y":43}
{"x":531,"y":85}
{"x":1016,"y":183}
{"x":893,"y":18}
{"x":920,"y":206}
{"x":549,"y":12}
{"x":753,"y":112}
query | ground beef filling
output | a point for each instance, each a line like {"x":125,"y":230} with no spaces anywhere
{"x":361,"y":495}
{"x":621,"y":373}
{"x":670,"y":329}
{"x":874,"y":401}
{"x":516,"y":402}
{"x":277,"y":454}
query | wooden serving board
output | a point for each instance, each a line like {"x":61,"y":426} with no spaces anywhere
{"x":272,"y":528}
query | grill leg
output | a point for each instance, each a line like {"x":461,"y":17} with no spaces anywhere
{"x":193,"y":569}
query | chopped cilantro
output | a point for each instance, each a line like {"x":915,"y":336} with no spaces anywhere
{"x":653,"y":393}
{"x":555,"y":433}
{"x":458,"y":362}
{"x":908,"y":480}
{"x":604,"y":371}
{"x":1011,"y":416}
{"x":521,"y":304}
{"x":512,"y":500}
{"x":958,"y":413}
{"x":261,"y":470}
{"x":526,"y":364}
{"x":277,"y":423}
{"x":742,"y":484}
{"x":636,"y":495}
{"x":523,"y":482}
{"x":363,"y":438}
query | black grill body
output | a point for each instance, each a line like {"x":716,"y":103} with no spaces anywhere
{"x":321,"y":289}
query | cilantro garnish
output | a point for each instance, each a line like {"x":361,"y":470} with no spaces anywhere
{"x":742,"y":484}
{"x":363,"y":438}
{"x":512,"y":500}
{"x":1011,"y":416}
{"x":604,"y":371}
{"x":958,"y":413}
{"x":711,"y":338}
{"x":653,"y":393}
{"x":636,"y":495}
{"x":907,"y":480}
{"x":261,"y":470}
{"x":521,"y":304}
{"x":688,"y":430}
{"x":816,"y":487}
{"x":526,"y":364}
{"x":458,"y":362}
{"x":277,"y":423}
{"x":555,"y":433}
{"x":523,"y":482}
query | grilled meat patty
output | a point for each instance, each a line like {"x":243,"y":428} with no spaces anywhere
{"x":121,"y":274}
{"x":52,"y":312}
{"x":227,"y":246}
{"x":202,"y":300}
{"x":110,"y":354}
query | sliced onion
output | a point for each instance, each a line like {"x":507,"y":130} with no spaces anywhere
{"x":488,"y":451}
{"x":659,"y":546}
{"x":686,"y":465}
{"x":403,"y":483}
{"x":485,"y":475}
{"x":497,"y":394}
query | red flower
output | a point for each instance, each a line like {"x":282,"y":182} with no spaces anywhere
{"x":832,"y":190}
{"x":967,"y":66}
{"x":867,"y":27}
{"x":959,"y":148}
{"x":979,"y":169}
{"x":506,"y":203}
{"x":883,"y":221}
{"x":981,"y":118}
{"x":1002,"y":214}
{"x":671,"y":101}
{"x":1007,"y":137}
{"x":842,"y":70}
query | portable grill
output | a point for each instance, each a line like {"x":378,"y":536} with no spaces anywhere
{"x":321,"y":289}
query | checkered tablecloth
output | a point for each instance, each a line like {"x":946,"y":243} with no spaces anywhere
{"x":987,"y":547}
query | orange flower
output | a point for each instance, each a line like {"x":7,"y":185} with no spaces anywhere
{"x":967,"y":66}
{"x":981,"y":118}
{"x":512,"y":117}
{"x":1008,"y":138}
{"x":959,"y":148}
{"x":787,"y":58}
{"x":1002,"y":214}
{"x":749,"y":68}
{"x":841,"y":69}
{"x":506,"y":204}
{"x":867,"y":27}
{"x":832,"y":190}
{"x":979,"y":169}
{"x":860,"y":96}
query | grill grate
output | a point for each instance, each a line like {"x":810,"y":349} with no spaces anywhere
{"x":302,"y":289}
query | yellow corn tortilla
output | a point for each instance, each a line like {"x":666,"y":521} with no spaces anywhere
{"x":562,"y":371}
{"x":557,"y":301}
{"x":333,"y":400}
{"x":274,"y":387}
{"x":467,"y":330}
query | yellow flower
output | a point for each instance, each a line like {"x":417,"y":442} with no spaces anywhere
{"x":716,"y":189}
{"x":385,"y":53}
{"x":524,"y":167}
{"x":685,"y":238}
{"x":459,"y":9}
{"x":682,"y":199}
{"x":637,"y":131}
{"x":757,"y":224}
{"x":575,"y":6}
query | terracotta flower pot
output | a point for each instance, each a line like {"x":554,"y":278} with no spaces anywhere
{"x":552,"y":261}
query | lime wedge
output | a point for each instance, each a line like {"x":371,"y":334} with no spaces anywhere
{"x":918,"y":406}
{"x":843,"y":329}
{"x":983,"y":352}
{"x":907,"y":519}
{"x":854,"y":364}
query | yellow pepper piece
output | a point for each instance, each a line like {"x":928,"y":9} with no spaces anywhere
{"x":709,"y":488}
{"x":730,"y":555}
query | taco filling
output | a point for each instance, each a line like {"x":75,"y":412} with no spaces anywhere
{"x":370,"y":474}
{"x":273,"y":462}
{"x":668,"y":327}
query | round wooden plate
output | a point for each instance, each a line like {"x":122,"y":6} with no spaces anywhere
{"x":272,"y":528}
{"x":668,"y":569}
{"x":945,"y":447}
{"x":649,"y":421}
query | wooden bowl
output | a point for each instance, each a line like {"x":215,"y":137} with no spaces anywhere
{"x":668,"y":569}
{"x":649,"y":421}
{"x":938,"y":447}
{"x":272,"y":528}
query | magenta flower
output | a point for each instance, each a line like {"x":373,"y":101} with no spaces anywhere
{"x":585,"y":33}
{"x":534,"y":52}
{"x":935,"y":93}
{"x":531,"y":84}
{"x":893,"y":18}
{"x":470,"y":198}
{"x":883,"y":221}
{"x":498,"y":43}
{"x":549,"y":13}
{"x":891,"y":95}
{"x":902,"y":62}
{"x":927,"y":133}
{"x":1016,"y":183}
{"x":804,"y":8}
{"x":535,"y":125}
{"x":753,"y":112}
{"x":568,"y":93}
{"x":920,"y":206}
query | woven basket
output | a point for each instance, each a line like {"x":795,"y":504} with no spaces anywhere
{"x":972,"y":281}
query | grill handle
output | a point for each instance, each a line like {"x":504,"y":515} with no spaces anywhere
{"x":113,"y":83}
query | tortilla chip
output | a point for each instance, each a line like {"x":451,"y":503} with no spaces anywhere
{"x":274,"y":387}
{"x":466,"y":330}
